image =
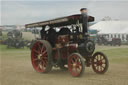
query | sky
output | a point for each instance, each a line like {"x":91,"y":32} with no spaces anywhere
{"x":20,"y":12}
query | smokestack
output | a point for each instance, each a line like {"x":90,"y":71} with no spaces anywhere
{"x":84,"y":19}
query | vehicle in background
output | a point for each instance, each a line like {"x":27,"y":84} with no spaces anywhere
{"x":102,"y":40}
{"x":14,"y":39}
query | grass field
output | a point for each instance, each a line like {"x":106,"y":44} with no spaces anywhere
{"x":16,"y":69}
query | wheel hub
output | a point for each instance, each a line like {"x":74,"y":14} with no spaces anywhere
{"x":74,"y":64}
{"x":39,"y":56}
{"x":99,"y":63}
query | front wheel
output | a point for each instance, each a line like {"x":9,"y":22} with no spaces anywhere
{"x":76,"y":65}
{"x":100,"y":63}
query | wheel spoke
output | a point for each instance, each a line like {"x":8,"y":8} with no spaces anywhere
{"x":100,"y":57}
{"x":72,"y":61}
{"x":94,"y":62}
{"x":38,"y":66}
{"x":103,"y":63}
{"x":102,"y":66}
{"x":79,"y":67}
{"x":44,"y":52}
{"x":76,"y":59}
{"x":39,"y":46}
{"x":75,"y":69}
{"x":78,"y":64}
{"x":45,"y":62}
{"x":44,"y":58}
{"x":42,"y":49}
{"x":36,"y":51}
{"x":103,"y":58}
{"x":98,"y":68}
{"x":97,"y":58}
{"x":44,"y":66}
{"x":35,"y":59}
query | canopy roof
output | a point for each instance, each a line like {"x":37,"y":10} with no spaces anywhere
{"x":63,"y":21}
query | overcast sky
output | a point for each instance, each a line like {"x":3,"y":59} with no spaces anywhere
{"x":21,"y":12}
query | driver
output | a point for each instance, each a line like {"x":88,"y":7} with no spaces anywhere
{"x":52,"y":36}
{"x":43,"y":33}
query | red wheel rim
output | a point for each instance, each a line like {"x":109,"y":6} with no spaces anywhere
{"x":39,"y":57}
{"x":74,"y":65}
{"x":99,"y":63}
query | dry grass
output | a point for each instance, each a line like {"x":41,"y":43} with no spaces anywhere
{"x":17,"y":70}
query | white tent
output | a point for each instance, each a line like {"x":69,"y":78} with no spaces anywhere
{"x":111,"y":26}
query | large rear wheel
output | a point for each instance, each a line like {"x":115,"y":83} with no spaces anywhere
{"x":100,"y":63}
{"x":41,"y":56}
{"x":76,"y":65}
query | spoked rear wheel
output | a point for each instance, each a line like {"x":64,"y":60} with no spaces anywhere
{"x":100,"y":63}
{"x":41,"y":56}
{"x":76,"y":65}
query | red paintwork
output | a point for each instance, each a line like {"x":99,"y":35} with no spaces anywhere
{"x":63,"y":39}
{"x":65,"y":52}
{"x":39,"y":64}
{"x":74,"y":65}
{"x":72,"y":48}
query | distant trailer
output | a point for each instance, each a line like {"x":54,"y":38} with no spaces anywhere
{"x":110,"y":36}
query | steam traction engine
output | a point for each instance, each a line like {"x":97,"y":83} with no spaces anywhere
{"x":64,"y":45}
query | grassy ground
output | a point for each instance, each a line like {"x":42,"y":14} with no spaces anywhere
{"x":16,"y":69}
